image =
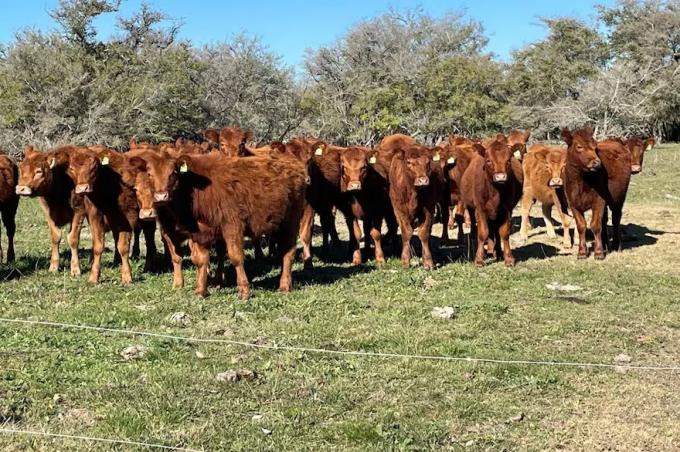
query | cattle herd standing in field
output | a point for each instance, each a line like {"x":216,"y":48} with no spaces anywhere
{"x":215,"y":193}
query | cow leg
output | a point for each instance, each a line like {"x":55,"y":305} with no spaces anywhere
{"x":123,"y":247}
{"x":200,"y":256}
{"x":377,"y":239}
{"x":306,"y":227}
{"x":286,"y":246}
{"x":257,"y":247}
{"x":97,"y":230}
{"x":527,"y":202}
{"x":605,"y":232}
{"x":564,"y":215}
{"x":504,"y":232}
{"x":406,"y":233}
{"x":55,"y":236}
{"x":445,"y":224}
{"x":354,"y":239}
{"x":581,"y":228}
{"x":74,"y":241}
{"x":220,"y":274}
{"x":482,"y":237}
{"x":546,"y":208}
{"x":616,"y":232}
{"x":597,"y":226}
{"x":472,"y":236}
{"x":460,"y":220}
{"x":135,"y":242}
{"x":8,"y":218}
{"x":424,"y":231}
{"x":326,"y":218}
{"x":333,"y":230}
{"x":234,"y":241}
{"x":392,"y":227}
{"x":176,"y":259}
{"x":149,"y":230}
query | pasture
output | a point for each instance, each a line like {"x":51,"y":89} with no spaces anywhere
{"x":76,"y":382}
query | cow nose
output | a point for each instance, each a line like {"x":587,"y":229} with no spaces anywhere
{"x":636,"y":169}
{"x":83,"y":188}
{"x":556,"y":182}
{"x":23,"y":190}
{"x":354,"y":185}
{"x":422,"y":181}
{"x":161,"y":196}
{"x":146,"y":214}
{"x":500,"y":177}
{"x":596,"y":164}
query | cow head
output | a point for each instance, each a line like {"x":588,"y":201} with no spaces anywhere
{"x":233,"y":141}
{"x":497,"y":155}
{"x":163,"y":172}
{"x":517,"y":141}
{"x":554,"y":161}
{"x":582,"y":149}
{"x":138,"y":178}
{"x":637,"y":148}
{"x":354,"y":167}
{"x":36,"y":171}
{"x":419,"y":164}
{"x":83,"y":166}
{"x":211,"y":136}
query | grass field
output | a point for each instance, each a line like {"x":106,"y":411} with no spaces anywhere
{"x":76,"y":382}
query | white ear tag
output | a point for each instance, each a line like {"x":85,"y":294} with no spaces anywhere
{"x":518,"y":155}
{"x":372,"y":160}
{"x":319,"y":151}
{"x":105,"y":160}
{"x":436,"y":157}
{"x":649,"y":147}
{"x":53,"y":163}
{"x":184,"y":168}
{"x":451,"y":161}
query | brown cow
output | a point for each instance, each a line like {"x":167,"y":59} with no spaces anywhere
{"x":213,"y":196}
{"x":9,"y":201}
{"x":364,"y":181}
{"x":592,"y":184}
{"x":110,"y":202}
{"x":415,"y":185}
{"x":543,"y":181}
{"x":43,"y":176}
{"x":233,"y":141}
{"x":457,"y":155}
{"x":488,"y":189}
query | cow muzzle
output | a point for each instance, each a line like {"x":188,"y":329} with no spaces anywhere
{"x":500,"y":178}
{"x":147,"y":214}
{"x":556,"y":182}
{"x":83,"y":189}
{"x":421,"y":181}
{"x":354,"y":185}
{"x":636,"y":169}
{"x":161,"y":196}
{"x":23,"y":190}
{"x":595,"y":165}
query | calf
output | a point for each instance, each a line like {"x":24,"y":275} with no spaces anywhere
{"x":110,"y":202}
{"x":232,"y":141}
{"x":592,"y":184}
{"x":43,"y":176}
{"x":457,"y":155}
{"x":488,"y":190}
{"x":543,"y":181}
{"x":415,"y":185}
{"x":212,"y":196}
{"x":9,"y":201}
{"x":364,"y":181}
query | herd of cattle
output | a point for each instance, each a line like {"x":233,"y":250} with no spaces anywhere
{"x":215,"y":193}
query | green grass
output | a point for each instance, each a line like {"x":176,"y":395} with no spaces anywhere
{"x":630,"y":303}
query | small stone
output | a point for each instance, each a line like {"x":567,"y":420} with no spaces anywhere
{"x":58,"y":398}
{"x":446,"y":312}
{"x":199,"y":355}
{"x":470,"y":443}
{"x":234,"y":376}
{"x":133,"y":352}
{"x":258,"y":417}
{"x":180,"y":318}
{"x":562,"y":287}
{"x":515,"y":418}
{"x":622,"y":358}
{"x":266,"y":431}
{"x":79,"y":416}
{"x":429,"y":283}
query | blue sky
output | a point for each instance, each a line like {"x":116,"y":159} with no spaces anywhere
{"x":289,"y":27}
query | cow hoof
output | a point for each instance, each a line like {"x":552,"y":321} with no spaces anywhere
{"x":599,"y":256}
{"x":380,"y":262}
{"x":93,"y":281}
{"x":243,"y":294}
{"x":479,"y":264}
{"x":75,"y":272}
{"x":406,"y":264}
{"x":177,"y":285}
{"x":582,"y":255}
{"x":510,"y":262}
{"x":126,"y":281}
{"x":201,"y":293}
{"x":53,"y":268}
{"x":284,"y":288}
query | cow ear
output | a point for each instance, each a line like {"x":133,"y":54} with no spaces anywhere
{"x":278,"y":146}
{"x":57,"y":158}
{"x":527,"y":134}
{"x":247,"y":136}
{"x":567,"y":136}
{"x":479,"y":149}
{"x":501,"y":138}
{"x":138,"y":163}
{"x":589,"y":130}
{"x":29,"y":150}
{"x":133,"y":143}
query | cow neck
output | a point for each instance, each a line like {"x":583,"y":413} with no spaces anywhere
{"x":59,"y":188}
{"x":106,"y":188}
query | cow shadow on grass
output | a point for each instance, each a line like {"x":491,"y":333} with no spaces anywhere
{"x":23,"y":266}
{"x":635,"y":235}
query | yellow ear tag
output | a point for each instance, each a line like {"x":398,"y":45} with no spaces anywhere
{"x":105,"y":160}
{"x":184,"y":168}
{"x":53,"y":163}
{"x":372,"y":160}
{"x":451,"y":161}
{"x":649,"y":147}
{"x":319,"y":151}
{"x":436,"y":157}
{"x":518,"y":155}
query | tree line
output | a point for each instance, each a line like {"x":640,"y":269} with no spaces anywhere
{"x":402,"y":71}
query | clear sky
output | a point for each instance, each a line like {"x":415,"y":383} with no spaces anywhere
{"x":288,"y":27}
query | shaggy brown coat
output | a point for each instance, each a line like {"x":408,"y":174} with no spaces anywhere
{"x":9,"y":201}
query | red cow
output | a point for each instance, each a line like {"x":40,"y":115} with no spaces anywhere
{"x":637,"y":148}
{"x":9,"y":201}
{"x":415,"y":185}
{"x":489,"y":191}
{"x":43,"y":176}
